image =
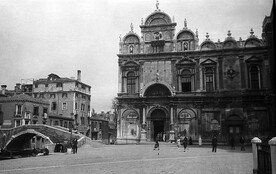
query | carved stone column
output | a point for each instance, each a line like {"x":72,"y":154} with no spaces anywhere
{"x":171,"y":139}
{"x":143,"y":130}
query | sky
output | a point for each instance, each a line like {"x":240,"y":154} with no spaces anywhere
{"x":39,"y":37}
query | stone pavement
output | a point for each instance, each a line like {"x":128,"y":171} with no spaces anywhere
{"x":117,"y":159}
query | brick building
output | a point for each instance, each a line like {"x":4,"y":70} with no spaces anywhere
{"x":22,"y":109}
{"x":171,"y":85}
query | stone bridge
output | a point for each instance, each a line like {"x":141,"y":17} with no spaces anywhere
{"x":17,"y":138}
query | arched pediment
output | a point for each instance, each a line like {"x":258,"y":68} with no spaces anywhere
{"x":252,"y":42}
{"x":130,"y":63}
{"x":230,"y":43}
{"x":207,"y":45}
{"x":185,"y":34}
{"x":130,"y":114}
{"x":163,"y":89}
{"x":131,"y":38}
{"x":158,"y":18}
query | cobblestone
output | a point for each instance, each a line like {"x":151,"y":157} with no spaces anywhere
{"x":117,"y":159}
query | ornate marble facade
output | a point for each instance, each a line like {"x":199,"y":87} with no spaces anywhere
{"x":172,"y":85}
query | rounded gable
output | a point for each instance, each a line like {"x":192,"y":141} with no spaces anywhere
{"x":158,"y":18}
{"x":185,"y":34}
{"x":131,"y":38}
{"x":252,"y":42}
{"x":207,"y":45}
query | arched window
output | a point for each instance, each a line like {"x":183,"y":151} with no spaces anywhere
{"x":186,"y":81}
{"x":254,"y":77}
{"x":131,"y":82}
{"x":209,"y":76}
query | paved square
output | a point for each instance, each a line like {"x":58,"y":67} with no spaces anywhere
{"x":137,"y":159}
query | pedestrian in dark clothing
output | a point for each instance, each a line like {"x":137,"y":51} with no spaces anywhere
{"x":185,"y":143}
{"x":75,"y":146}
{"x":214,"y":144}
{"x":156,"y":145}
{"x":190,"y":141}
{"x":242,"y":141}
{"x":232,"y":143}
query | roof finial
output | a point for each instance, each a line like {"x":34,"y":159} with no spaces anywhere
{"x":196,"y":32}
{"x":229,"y":33}
{"x":207,"y":36}
{"x":131,"y":27}
{"x":142,"y":21}
{"x":251,"y":32}
{"x":157,"y":6}
{"x":185,"y":23}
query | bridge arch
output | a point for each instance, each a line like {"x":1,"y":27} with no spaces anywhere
{"x":19,"y":139}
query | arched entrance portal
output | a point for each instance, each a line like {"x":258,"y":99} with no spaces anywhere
{"x":235,"y":127}
{"x":159,"y":125}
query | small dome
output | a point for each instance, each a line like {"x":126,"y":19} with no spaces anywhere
{"x":207,"y":45}
{"x":158,"y":18}
{"x":185,"y":34}
{"x":252,"y":40}
{"x":131,"y":38}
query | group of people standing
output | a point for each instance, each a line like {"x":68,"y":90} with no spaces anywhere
{"x":185,"y":143}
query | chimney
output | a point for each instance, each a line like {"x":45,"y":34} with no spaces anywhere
{"x":79,"y":75}
{"x":3,"y":89}
{"x":17,"y":87}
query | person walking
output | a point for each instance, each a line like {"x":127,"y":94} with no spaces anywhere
{"x":214,"y":144}
{"x":185,"y":143}
{"x":178,"y":142}
{"x":242,"y":141}
{"x":156,"y":145}
{"x":75,"y":145}
{"x":232,"y":143}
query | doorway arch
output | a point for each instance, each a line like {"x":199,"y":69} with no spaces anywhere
{"x":159,"y":124}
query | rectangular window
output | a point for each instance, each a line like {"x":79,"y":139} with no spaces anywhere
{"x":186,"y":84}
{"x":64,"y":106}
{"x":82,"y":107}
{"x":54,"y":106}
{"x":65,"y":124}
{"x":59,"y":85}
{"x":28,"y":115}
{"x":209,"y":83}
{"x":254,"y":81}
{"x":17,"y":123}
{"x":36,"y":85}
{"x":100,"y":126}
{"x":18,"y":109}
{"x":76,"y":105}
{"x":36,"y":110}
{"x":46,"y":85}
{"x":82,"y":121}
{"x":56,"y":123}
